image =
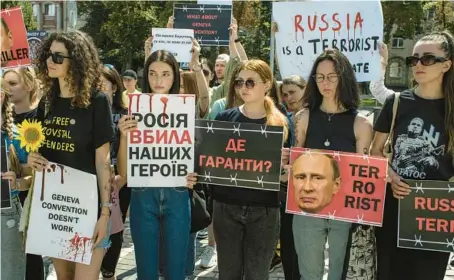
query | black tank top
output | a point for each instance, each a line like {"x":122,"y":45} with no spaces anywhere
{"x":333,"y":132}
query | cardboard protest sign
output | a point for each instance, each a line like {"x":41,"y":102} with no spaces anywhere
{"x":209,"y":22}
{"x":307,"y":28}
{"x":63,"y":214}
{"x":35,"y":39}
{"x":336,"y":185}
{"x":176,"y":41}
{"x":240,"y":155}
{"x":161,"y":150}
{"x":14,"y":45}
{"x":425,"y":217}
{"x":6,"y":188}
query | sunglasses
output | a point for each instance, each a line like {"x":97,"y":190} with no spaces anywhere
{"x":426,"y":60}
{"x":238,"y":84}
{"x":57,"y":58}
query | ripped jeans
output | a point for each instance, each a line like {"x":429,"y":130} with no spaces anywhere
{"x":12,"y":253}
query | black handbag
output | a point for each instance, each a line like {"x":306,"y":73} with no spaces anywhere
{"x":200,"y":216}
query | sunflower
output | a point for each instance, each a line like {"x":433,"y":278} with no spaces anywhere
{"x":31,"y":135}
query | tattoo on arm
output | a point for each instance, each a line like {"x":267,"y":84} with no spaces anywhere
{"x":296,"y":120}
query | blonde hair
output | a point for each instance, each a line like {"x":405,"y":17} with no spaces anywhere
{"x":274,"y":117}
{"x":27,"y":76}
{"x":7,"y":126}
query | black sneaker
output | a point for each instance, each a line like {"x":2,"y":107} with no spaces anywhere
{"x":275,"y":262}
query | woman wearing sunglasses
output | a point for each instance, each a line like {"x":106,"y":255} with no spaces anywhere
{"x":245,"y":221}
{"x":423,"y":141}
{"x":70,"y":70}
{"x":329,"y":121}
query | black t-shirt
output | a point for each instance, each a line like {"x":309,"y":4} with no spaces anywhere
{"x":242,"y":196}
{"x":30,"y":115}
{"x":74,"y":134}
{"x":419,"y":141}
{"x":117,"y":113}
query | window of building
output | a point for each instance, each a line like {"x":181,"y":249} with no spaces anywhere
{"x":395,"y":70}
{"x":49,"y":10}
{"x":397,"y":43}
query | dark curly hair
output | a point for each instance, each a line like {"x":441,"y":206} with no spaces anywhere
{"x":84,"y":72}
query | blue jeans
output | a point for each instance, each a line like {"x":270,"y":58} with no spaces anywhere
{"x":154,"y":210}
{"x":190,"y":261}
{"x":310,"y":235}
{"x":12,"y":254}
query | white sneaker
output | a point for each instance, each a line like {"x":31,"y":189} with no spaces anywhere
{"x":202,"y":234}
{"x":51,"y":275}
{"x":209,"y":257}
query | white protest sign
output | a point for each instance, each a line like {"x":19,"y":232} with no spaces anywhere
{"x":307,"y":28}
{"x":161,"y":150}
{"x":176,"y":41}
{"x":63,"y":214}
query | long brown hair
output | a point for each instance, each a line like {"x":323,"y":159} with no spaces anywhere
{"x":274,"y":117}
{"x":446,"y":41}
{"x":7,"y":126}
{"x":190,"y":83}
{"x":232,"y":98}
{"x":84,"y":72}
{"x":114,"y":78}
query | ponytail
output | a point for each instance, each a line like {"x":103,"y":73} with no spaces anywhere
{"x":274,"y":117}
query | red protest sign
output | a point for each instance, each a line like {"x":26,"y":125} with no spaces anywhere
{"x":14,"y":44}
{"x":336,"y":185}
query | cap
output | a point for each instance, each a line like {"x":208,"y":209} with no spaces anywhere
{"x":223,"y":57}
{"x":129,"y":74}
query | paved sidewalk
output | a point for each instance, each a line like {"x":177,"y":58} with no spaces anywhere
{"x":126,"y":269}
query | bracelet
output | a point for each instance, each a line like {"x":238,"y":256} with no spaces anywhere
{"x":238,"y":40}
{"x":106,"y":204}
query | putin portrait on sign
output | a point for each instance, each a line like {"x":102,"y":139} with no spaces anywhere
{"x":316,"y":179}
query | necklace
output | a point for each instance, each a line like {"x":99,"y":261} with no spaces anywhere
{"x":330,"y":115}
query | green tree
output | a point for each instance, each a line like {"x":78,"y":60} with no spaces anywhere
{"x":27,"y":12}
{"x":443,"y":15}
{"x":402,"y":18}
{"x":120,"y":28}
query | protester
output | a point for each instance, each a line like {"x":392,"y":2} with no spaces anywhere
{"x":69,"y":67}
{"x":292,"y":91}
{"x":13,"y":258}
{"x":157,"y":209}
{"x":24,"y":87}
{"x":120,"y":195}
{"x":329,"y":121}
{"x":426,"y":107}
{"x":240,"y":239}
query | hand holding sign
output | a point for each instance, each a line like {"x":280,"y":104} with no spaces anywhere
{"x":399,"y":188}
{"x":100,"y":231}
{"x":170,"y":22}
{"x":11,"y":176}
{"x":191,"y":180}
{"x":127,"y":124}
{"x":233,"y":31}
{"x":37,"y":162}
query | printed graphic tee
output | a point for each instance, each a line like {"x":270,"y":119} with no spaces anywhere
{"x":419,"y":141}
{"x":74,"y":134}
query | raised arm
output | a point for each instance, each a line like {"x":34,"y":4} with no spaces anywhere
{"x":378,"y":88}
